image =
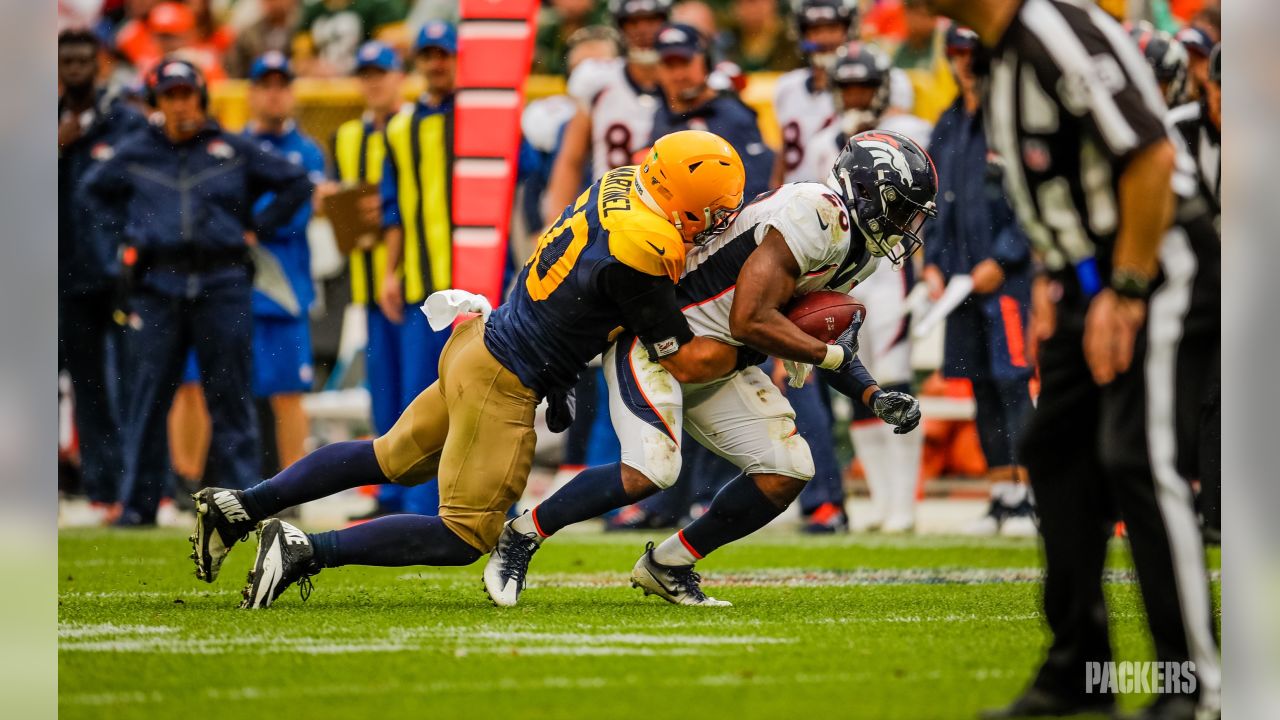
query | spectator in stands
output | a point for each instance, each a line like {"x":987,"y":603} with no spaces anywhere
{"x":183,"y":192}
{"x":273,"y":31}
{"x":91,"y":123}
{"x":977,"y":235}
{"x":699,"y":16}
{"x":170,"y":30}
{"x":332,"y":31}
{"x":557,"y":22}
{"x":758,"y":40}
{"x":919,"y":46}
{"x":210,"y":31}
{"x":283,"y":288}
{"x":417,"y":230}
{"x":1209,"y":19}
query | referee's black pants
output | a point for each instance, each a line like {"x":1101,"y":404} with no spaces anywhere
{"x":1122,"y":451}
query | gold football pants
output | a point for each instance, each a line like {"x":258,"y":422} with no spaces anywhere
{"x":473,"y":429}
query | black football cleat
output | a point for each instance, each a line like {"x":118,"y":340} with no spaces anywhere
{"x":221,"y":522}
{"x":285,"y":557}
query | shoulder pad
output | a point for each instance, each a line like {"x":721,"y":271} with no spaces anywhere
{"x":647,"y":243}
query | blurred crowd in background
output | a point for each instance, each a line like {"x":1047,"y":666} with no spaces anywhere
{"x":322,"y":82}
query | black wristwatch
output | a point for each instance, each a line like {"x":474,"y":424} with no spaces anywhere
{"x":1130,"y":284}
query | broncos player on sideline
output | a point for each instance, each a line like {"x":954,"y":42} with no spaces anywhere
{"x":794,"y":240}
{"x":612,"y":259}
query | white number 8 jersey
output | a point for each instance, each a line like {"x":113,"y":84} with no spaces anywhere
{"x":621,"y":112}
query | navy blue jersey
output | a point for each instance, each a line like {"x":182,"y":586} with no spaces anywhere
{"x":604,"y":265}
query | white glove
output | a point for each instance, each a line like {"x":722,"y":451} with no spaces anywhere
{"x":444,"y":306}
{"x":797,"y":372}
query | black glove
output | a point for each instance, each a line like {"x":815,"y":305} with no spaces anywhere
{"x":560,"y":407}
{"x":848,"y":341}
{"x":898,"y":409}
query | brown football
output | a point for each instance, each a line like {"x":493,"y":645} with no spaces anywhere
{"x":825,"y":314}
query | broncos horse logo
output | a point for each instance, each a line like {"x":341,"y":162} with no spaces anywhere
{"x":886,"y":150}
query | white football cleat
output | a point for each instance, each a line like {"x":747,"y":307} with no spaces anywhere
{"x":505,"y":572}
{"x":904,"y":524}
{"x":677,"y":584}
{"x":285,"y":557}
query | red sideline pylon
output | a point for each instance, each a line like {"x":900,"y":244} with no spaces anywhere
{"x":495,"y":48}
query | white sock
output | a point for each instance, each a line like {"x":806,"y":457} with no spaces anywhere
{"x":673,"y":552}
{"x":871,"y":444}
{"x":1008,"y":494}
{"x":905,"y":453}
{"x":523,"y":524}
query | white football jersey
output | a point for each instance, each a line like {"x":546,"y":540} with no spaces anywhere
{"x":816,"y":227}
{"x":801,"y":112}
{"x":621,"y":112}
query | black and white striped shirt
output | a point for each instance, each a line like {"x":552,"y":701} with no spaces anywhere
{"x":1069,"y":100}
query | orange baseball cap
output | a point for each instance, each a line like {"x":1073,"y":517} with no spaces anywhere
{"x":171,"y":18}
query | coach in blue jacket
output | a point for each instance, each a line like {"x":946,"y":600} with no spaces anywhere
{"x":693,"y":104}
{"x":185,"y":192}
{"x":976,"y":234}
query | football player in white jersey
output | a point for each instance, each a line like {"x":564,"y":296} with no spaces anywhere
{"x":801,"y":102}
{"x":617,"y":99}
{"x":861,"y":81}
{"x":797,"y":239}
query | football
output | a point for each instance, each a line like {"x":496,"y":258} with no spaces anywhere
{"x":825,"y":314}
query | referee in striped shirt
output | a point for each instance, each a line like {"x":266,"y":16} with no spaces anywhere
{"x":1130,"y":262}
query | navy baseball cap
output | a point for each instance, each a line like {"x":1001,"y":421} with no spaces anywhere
{"x":437,"y":34}
{"x":273,"y":61}
{"x":679,"y":40}
{"x":961,"y":39}
{"x":374,"y":54}
{"x":1195,"y":40}
{"x":175,"y":73}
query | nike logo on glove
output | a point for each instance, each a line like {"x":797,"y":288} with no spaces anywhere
{"x":660,"y":251}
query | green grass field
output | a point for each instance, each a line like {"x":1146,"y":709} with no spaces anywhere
{"x":848,"y":626}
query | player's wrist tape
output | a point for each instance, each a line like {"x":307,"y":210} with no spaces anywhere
{"x":836,"y":356}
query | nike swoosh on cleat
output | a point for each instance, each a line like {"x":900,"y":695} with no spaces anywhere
{"x":271,"y":563}
{"x":658,"y":580}
{"x":663,"y":251}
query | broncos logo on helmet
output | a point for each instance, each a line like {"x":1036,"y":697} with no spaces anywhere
{"x":888,"y":183}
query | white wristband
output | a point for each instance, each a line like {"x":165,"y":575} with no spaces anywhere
{"x":834,"y":359}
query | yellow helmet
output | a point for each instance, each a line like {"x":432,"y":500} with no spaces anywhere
{"x":694,"y":179}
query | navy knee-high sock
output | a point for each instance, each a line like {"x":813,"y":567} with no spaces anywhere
{"x":331,"y":469}
{"x":394,"y":541}
{"x":593,"y":492}
{"x":738,"y":510}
